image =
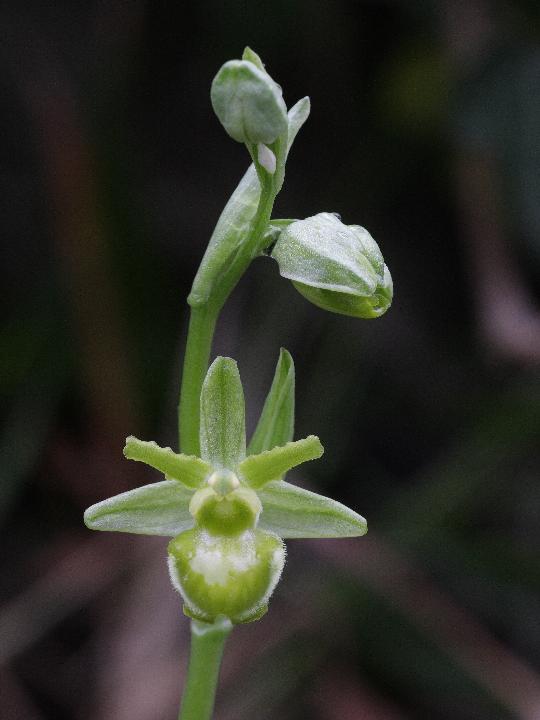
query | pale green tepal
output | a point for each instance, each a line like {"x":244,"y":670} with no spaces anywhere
{"x":337,"y":267}
{"x":229,"y":510}
{"x":248,"y":103}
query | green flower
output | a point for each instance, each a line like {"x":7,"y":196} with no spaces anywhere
{"x":229,"y":509}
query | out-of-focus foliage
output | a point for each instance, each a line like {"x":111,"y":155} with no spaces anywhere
{"x":113,"y":172}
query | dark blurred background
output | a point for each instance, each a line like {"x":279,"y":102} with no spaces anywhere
{"x":425,"y":128}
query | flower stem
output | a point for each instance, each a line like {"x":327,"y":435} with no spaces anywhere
{"x":207,"y":642}
{"x":202,"y":324}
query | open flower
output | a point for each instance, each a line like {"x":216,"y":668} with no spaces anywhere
{"x":229,"y":509}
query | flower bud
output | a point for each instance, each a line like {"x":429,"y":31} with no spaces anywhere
{"x":337,"y":267}
{"x":231,"y":576}
{"x":248,"y":103}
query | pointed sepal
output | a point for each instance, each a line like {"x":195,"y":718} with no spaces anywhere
{"x":253,"y":57}
{"x":271,"y":464}
{"x":158,"y":509}
{"x":223,"y":428}
{"x":276,"y":424}
{"x":191,"y":471}
{"x":292,"y":512}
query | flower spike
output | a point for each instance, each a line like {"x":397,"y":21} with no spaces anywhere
{"x":226,"y":505}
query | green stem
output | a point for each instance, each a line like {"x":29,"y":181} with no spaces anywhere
{"x":202,"y":324}
{"x":207,"y":642}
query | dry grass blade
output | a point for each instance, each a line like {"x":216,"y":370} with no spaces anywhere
{"x":457,"y":633}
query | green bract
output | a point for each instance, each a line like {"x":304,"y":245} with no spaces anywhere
{"x":227,"y":510}
{"x":248,"y":103}
{"x":337,"y":267}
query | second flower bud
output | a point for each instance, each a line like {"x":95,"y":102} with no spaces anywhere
{"x":337,"y":267}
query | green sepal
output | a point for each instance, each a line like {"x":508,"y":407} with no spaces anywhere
{"x":342,"y":303}
{"x":252,"y":57}
{"x":292,"y":512}
{"x":369,"y":248}
{"x":271,"y":464}
{"x":223,"y":428}
{"x":276,"y":423}
{"x":158,"y":509}
{"x":191,"y":471}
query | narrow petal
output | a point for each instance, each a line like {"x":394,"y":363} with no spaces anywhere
{"x":276,"y":424}
{"x":188,"y":469}
{"x":292,"y":512}
{"x":271,"y":464}
{"x":157,"y":509}
{"x":223,"y":428}
{"x":297,"y":116}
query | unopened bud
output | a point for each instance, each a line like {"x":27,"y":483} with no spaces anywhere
{"x":337,"y":267}
{"x":248,"y":103}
